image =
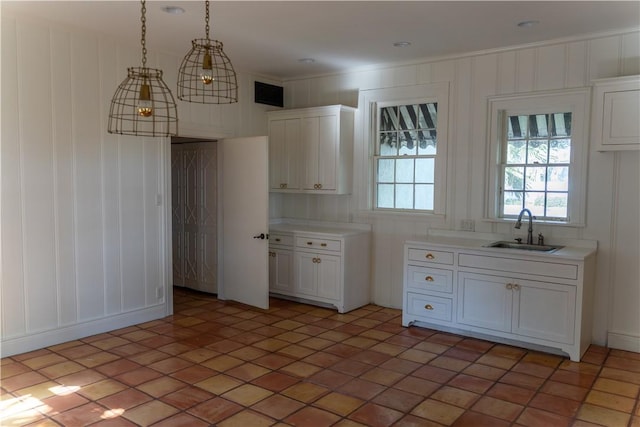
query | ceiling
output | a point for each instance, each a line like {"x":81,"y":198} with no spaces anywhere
{"x":270,"y":37}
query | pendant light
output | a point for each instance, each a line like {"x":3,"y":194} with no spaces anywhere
{"x":143,"y":105}
{"x":206,"y":74}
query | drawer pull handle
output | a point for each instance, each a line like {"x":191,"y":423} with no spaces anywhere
{"x":277,"y":239}
{"x":429,"y":279}
{"x":430,"y":256}
{"x":323,"y":244}
{"x":309,"y":243}
{"x":428,"y":307}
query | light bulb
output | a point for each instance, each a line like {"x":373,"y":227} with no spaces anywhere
{"x":145,"y":107}
{"x":206,"y":72}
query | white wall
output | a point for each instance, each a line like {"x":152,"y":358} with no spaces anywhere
{"x":84,"y":241}
{"x":613,"y":197}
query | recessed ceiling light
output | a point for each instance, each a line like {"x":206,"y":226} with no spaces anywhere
{"x":306,"y":60}
{"x":402,"y":44}
{"x":173,"y":10}
{"x":527,"y":24}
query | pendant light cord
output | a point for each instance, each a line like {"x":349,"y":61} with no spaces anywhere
{"x":206,"y":19}
{"x":143,"y":19}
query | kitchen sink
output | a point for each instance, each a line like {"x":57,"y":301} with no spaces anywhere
{"x":523,"y":246}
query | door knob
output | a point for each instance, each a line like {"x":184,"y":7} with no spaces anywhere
{"x":261,"y":236}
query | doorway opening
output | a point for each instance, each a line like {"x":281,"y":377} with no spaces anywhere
{"x":194,"y":213}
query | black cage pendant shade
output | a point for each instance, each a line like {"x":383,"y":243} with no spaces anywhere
{"x":206,"y":74}
{"x":143,"y":104}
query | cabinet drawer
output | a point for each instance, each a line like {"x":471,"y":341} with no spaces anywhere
{"x":429,"y":307}
{"x":427,"y":255}
{"x":281,"y":239}
{"x":315,"y":243}
{"x":539,"y":268}
{"x":429,"y":279}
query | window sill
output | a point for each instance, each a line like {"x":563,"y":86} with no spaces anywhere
{"x":536,"y":221}
{"x":399,"y":215}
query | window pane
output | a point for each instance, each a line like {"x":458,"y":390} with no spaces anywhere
{"x":558,"y":178}
{"x":424,"y":196}
{"x":516,"y":152}
{"x":516,"y":127}
{"x":385,"y":170}
{"x":388,"y":144}
{"x":428,"y":116}
{"x":557,"y":205}
{"x":404,"y":196}
{"x":560,"y":151}
{"x":409,"y":116}
{"x":385,"y":195}
{"x":534,"y":201}
{"x":561,"y":124}
{"x":388,"y":118}
{"x":514,"y":178}
{"x":425,"y":169}
{"x":538,"y":126}
{"x":512,"y":202}
{"x":536,"y":178}
{"x":427,"y":143}
{"x":537,"y":152}
{"x":404,"y":170}
{"x":407,"y":146}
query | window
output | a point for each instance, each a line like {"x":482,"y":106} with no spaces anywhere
{"x":405,"y":156}
{"x":407,"y":136}
{"x":536,"y":164}
{"x":539,"y":146}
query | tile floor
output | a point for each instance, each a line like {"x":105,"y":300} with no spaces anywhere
{"x":224,"y":364}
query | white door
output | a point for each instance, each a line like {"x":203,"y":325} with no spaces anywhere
{"x":245,"y":219}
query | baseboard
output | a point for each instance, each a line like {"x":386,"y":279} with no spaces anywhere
{"x":623,"y":342}
{"x":25,"y":343}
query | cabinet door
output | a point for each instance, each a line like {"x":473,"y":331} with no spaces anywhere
{"x":328,"y":268}
{"x":281,"y":270}
{"x":305,"y":268}
{"x":327,"y":153}
{"x":544,"y":310}
{"x":310,"y":145}
{"x":284,"y":139}
{"x":484,"y":301}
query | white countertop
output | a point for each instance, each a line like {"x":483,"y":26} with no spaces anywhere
{"x":572,"y":249}
{"x":338,"y":229}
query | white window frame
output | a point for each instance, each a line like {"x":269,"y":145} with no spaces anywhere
{"x":574,"y":101}
{"x":371,"y":101}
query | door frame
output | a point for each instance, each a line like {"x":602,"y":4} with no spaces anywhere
{"x":185,"y":130}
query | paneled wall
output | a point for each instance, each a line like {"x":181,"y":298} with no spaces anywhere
{"x":613,"y":197}
{"x":84,"y":214}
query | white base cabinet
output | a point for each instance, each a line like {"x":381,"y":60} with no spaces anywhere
{"x":328,"y":267}
{"x":542,"y":301}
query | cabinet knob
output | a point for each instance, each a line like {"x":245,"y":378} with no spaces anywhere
{"x":509,"y":286}
{"x":429,"y":256}
{"x":283,"y":185}
{"x":319,"y":186}
{"x":428,"y":307}
{"x":516,"y":286}
{"x":319,"y":260}
{"x":429,"y":279}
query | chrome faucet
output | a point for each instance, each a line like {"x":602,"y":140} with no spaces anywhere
{"x":530,"y":230}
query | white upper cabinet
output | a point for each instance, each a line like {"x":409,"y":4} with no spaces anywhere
{"x":615,"y":120}
{"x":311,"y":150}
